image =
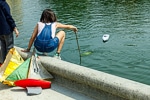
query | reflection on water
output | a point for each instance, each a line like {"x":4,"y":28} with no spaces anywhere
{"x":126,"y":54}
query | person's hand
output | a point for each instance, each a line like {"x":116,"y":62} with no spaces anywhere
{"x":17,"y":34}
{"x":26,"y":50}
{"x":75,"y":29}
{"x":16,"y":31}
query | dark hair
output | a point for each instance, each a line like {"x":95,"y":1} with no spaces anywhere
{"x":48,"y":16}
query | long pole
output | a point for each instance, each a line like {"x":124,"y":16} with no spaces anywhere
{"x":78,"y":46}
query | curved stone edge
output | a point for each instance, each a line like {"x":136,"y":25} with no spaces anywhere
{"x":112,"y":84}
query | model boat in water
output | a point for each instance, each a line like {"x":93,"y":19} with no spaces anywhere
{"x":105,"y":37}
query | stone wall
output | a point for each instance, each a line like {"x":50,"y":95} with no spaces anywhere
{"x":96,"y":84}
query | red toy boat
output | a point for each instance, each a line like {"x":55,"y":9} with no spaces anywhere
{"x":33,"y":83}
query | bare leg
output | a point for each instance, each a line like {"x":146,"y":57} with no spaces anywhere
{"x":61,"y":37}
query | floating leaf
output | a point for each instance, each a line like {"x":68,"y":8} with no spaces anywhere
{"x":86,"y":53}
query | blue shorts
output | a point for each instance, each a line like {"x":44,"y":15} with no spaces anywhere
{"x":54,"y":43}
{"x":47,"y":46}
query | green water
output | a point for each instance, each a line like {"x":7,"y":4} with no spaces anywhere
{"x":126,"y":54}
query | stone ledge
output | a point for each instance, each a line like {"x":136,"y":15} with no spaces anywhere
{"x":100,"y":81}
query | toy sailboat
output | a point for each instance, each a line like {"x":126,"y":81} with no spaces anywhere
{"x":105,"y":37}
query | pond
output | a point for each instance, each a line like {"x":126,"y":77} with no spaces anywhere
{"x":125,"y":54}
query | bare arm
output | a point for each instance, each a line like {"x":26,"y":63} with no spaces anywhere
{"x":34,"y":34}
{"x":70,"y":27}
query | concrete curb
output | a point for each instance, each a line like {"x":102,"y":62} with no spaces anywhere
{"x":116,"y":86}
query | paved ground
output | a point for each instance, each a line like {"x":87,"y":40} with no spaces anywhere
{"x":56,"y":92}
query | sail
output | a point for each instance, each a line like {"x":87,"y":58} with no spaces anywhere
{"x":37,"y":71}
{"x":15,"y":68}
{"x":12,"y":61}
